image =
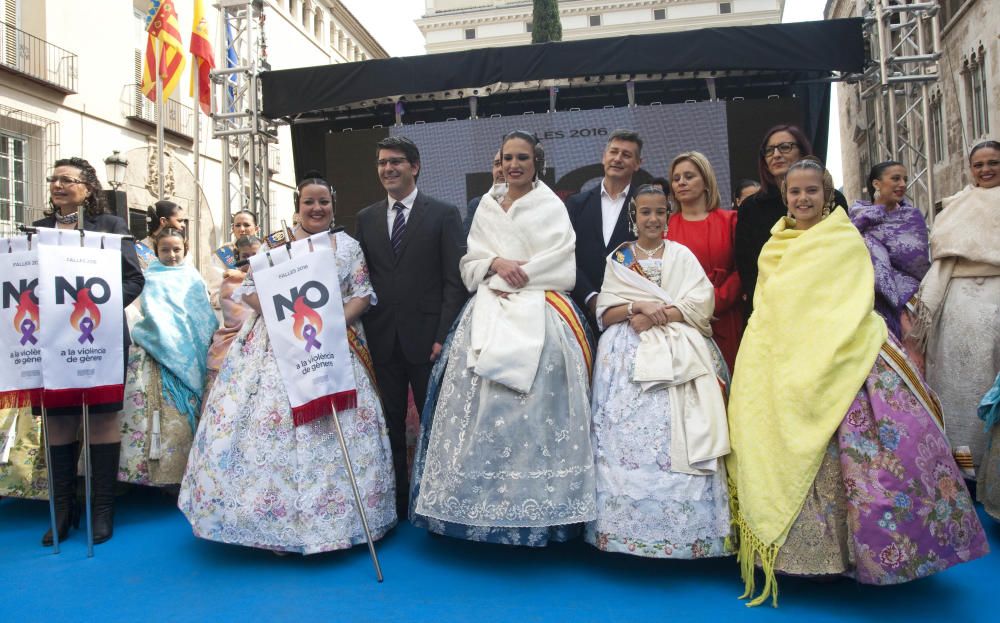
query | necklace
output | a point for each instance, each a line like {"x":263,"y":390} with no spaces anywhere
{"x":69,"y":219}
{"x":649,"y":252}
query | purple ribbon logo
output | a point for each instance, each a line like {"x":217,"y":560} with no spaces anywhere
{"x":86,"y":330}
{"x":309,"y":333}
{"x":28,"y":332}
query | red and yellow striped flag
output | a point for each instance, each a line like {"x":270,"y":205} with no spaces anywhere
{"x":204,"y":59}
{"x":164,"y":32}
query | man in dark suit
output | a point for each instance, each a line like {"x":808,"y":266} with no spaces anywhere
{"x":600,"y":217}
{"x":470,"y":212}
{"x":412,"y":244}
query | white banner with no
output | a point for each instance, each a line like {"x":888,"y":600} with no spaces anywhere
{"x":300,"y":300}
{"x":80,"y":300}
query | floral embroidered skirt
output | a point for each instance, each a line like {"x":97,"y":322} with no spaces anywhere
{"x":497,"y":466}
{"x":254,"y":479}
{"x":146,"y":459}
{"x":22,"y":456}
{"x":643,"y":508}
{"x":888,"y":504}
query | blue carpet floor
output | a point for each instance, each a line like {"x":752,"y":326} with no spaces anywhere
{"x":155,"y":570}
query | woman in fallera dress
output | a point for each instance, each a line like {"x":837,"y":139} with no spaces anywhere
{"x":896,"y":236}
{"x":224,"y":259}
{"x":958,"y":305}
{"x":659,"y":427}
{"x":504,"y":454}
{"x":256,"y":479}
{"x":839,"y":463}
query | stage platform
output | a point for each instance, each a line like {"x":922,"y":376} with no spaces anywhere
{"x":155,"y":570}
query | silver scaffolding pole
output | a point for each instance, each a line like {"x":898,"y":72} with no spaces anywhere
{"x":905,"y":45}
{"x":245,"y":134}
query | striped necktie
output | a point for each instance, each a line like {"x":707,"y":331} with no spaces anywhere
{"x":398,"y":228}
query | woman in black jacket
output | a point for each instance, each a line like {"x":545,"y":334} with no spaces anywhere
{"x":73,"y":183}
{"x":783,"y":145}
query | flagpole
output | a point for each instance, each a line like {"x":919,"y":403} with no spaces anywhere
{"x":159,"y":123}
{"x":196,"y":69}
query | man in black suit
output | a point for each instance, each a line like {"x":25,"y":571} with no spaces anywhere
{"x":600,"y":217}
{"x":470,"y":212}
{"x":412,"y":244}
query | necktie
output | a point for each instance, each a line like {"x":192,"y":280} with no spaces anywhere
{"x":398,"y":227}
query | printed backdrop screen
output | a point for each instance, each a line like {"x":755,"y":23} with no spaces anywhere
{"x":457,"y":155}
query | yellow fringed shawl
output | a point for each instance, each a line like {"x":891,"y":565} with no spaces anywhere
{"x":810,"y":344}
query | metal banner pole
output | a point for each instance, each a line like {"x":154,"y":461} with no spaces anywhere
{"x":357,"y":492}
{"x":87,"y":478}
{"x":48,"y":470}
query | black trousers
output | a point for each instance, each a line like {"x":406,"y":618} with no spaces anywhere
{"x":394,"y":377}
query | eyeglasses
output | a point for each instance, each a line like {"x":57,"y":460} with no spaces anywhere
{"x":64,"y":180}
{"x":783,"y":148}
{"x":384,"y":162}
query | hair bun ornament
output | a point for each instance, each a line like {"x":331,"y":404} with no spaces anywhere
{"x":313,"y":174}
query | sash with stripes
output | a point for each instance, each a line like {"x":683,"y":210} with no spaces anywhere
{"x":561,"y":303}
{"x":893,"y":355}
{"x":359,"y":346}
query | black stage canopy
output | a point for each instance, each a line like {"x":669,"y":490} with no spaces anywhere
{"x":776,"y":53}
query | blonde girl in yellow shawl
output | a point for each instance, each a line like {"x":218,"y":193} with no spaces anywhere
{"x":839,"y":464}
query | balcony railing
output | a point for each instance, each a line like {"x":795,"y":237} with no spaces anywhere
{"x":37,"y":59}
{"x":178,"y":119}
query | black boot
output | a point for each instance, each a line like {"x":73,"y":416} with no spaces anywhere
{"x":63,"y":490}
{"x":104,"y":462}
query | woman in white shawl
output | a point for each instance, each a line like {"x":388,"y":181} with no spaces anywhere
{"x":659,"y":426}
{"x":504,"y":454}
{"x":958,"y":302}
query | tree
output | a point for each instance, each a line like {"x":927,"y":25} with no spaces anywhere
{"x":545,"y":24}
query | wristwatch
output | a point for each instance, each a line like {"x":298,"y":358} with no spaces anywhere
{"x":628,"y":310}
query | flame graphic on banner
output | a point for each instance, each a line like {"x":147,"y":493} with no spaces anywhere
{"x":26,"y":310}
{"x":307,"y":324}
{"x":84,"y":307}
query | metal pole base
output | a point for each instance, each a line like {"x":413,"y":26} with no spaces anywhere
{"x":87,"y":474}
{"x":357,"y":492}
{"x":48,"y":470}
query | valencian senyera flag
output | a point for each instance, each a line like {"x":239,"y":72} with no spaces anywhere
{"x":164,"y":49}
{"x":204,"y":59}
{"x":80,"y":303}
{"x":303,"y":311}
{"x":20,"y":322}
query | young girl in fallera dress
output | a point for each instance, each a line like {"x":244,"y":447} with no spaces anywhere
{"x":658,"y":434}
{"x":166,"y":371}
{"x":234,"y":310}
{"x":839,"y":463}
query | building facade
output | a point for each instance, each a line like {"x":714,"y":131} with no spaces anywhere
{"x":70,"y":89}
{"x":451,"y":25}
{"x":964,"y":99}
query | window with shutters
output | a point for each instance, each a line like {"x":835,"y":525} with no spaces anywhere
{"x":9,"y":33}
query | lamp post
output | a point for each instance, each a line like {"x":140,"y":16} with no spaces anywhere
{"x":117,"y":199}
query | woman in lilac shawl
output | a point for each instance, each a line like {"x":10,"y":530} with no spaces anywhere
{"x":896,"y":235}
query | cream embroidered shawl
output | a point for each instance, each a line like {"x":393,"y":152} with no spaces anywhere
{"x":677,"y":354}
{"x":508,"y":333}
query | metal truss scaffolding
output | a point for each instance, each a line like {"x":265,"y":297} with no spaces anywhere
{"x":236,"y":118}
{"x":905,"y":46}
